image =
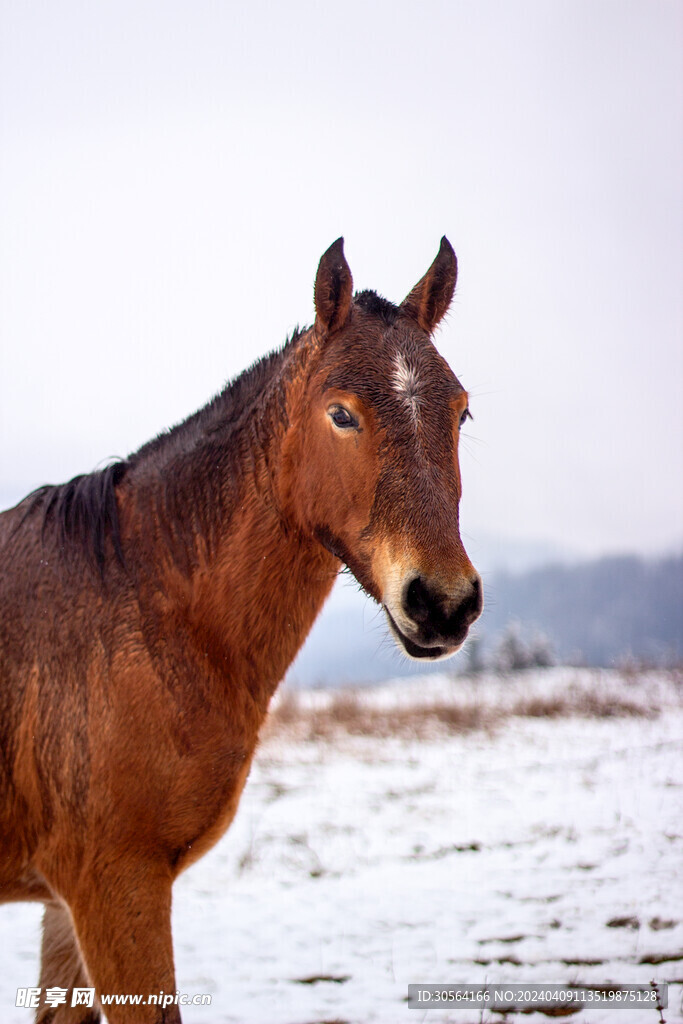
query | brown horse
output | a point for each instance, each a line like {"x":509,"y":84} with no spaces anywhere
{"x":148,"y":612}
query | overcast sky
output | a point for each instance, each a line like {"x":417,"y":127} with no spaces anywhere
{"x":170,"y":173}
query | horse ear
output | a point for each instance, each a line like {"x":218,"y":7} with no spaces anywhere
{"x":333,"y":289}
{"x":431,"y":297}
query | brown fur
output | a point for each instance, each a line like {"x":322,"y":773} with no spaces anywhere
{"x":148,"y":613}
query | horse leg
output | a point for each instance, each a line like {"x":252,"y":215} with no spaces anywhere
{"x":122,"y":918}
{"x":62,"y":967}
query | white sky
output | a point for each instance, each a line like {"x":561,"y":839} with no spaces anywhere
{"x":170,"y":173}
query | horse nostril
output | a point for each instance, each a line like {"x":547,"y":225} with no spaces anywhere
{"x":417,"y":603}
{"x":476,"y":601}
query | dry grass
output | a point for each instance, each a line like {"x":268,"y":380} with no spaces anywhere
{"x":348,"y":712}
{"x":355,"y":713}
{"x":580,"y":705}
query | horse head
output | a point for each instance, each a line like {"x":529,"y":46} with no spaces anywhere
{"x":372,"y":450}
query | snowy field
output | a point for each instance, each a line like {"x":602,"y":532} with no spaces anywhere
{"x":543,"y":845}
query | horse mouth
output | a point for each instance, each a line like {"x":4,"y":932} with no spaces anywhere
{"x":433,"y":653}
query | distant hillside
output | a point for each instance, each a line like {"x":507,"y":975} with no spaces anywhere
{"x":596,"y":612}
{"x":593,"y":613}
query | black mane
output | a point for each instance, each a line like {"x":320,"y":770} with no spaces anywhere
{"x":84,"y":511}
{"x":227,"y":409}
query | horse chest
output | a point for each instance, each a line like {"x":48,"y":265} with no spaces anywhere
{"x":207,"y":815}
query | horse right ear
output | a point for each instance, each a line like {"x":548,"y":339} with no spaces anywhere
{"x":333,"y":290}
{"x":429,"y":300}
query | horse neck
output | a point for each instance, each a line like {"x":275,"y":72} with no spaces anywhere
{"x":213,"y":545}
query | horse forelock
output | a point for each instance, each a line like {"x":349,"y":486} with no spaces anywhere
{"x":376,"y":305}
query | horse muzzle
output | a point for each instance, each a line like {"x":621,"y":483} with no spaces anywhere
{"x":430,"y":622}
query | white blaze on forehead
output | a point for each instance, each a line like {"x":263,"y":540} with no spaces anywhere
{"x":405,"y":381}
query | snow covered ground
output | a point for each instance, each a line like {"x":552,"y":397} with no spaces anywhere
{"x":532,"y":849}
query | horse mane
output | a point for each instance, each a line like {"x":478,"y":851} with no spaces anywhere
{"x":226,"y":410}
{"x":83,"y":512}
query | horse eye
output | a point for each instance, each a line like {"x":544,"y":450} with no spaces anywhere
{"x":467,"y":415}
{"x":342,"y":418}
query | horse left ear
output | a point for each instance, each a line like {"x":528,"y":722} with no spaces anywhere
{"x":333,"y":289}
{"x":430,"y":298}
